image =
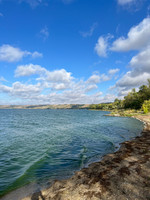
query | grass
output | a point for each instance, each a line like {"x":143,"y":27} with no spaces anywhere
{"x":126,"y":113}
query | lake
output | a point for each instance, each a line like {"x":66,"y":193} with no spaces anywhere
{"x":39,"y":146}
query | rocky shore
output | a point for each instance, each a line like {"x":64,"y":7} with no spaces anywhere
{"x":123,"y":175}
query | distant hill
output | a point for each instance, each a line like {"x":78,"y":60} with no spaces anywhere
{"x":60,"y":106}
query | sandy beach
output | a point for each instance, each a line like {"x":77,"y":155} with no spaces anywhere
{"x":122,"y":175}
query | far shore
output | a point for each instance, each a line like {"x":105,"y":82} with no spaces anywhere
{"x":122,"y":175}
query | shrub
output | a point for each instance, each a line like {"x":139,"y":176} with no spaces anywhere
{"x":146,"y":106}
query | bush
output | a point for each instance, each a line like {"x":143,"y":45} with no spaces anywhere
{"x":146,"y":106}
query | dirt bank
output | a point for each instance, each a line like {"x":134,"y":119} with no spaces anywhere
{"x":122,"y":175}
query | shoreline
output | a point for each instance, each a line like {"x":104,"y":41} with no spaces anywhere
{"x":124,"y":174}
{"x":120,"y":175}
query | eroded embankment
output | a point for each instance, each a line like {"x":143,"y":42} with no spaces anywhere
{"x":122,"y":175}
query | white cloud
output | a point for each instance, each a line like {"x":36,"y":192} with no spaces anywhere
{"x":141,"y":62}
{"x":101,"y":46}
{"x":44,"y":33}
{"x":138,"y":38}
{"x":108,"y":98}
{"x":32,"y":94}
{"x":105,"y":77}
{"x":139,"y":73}
{"x":113,"y":71}
{"x":140,"y":70}
{"x":28,"y":70}
{"x":20,"y":90}
{"x":36,"y":54}
{"x":91,"y":87}
{"x":2,"y":79}
{"x":94,"y":79}
{"x":124,"y":2}
{"x":5,"y":89}
{"x":50,"y":76}
{"x":25,"y":90}
{"x":59,"y":86}
{"x":59,"y":76}
{"x":90,"y":32}
{"x":53,"y":87}
{"x":9,"y":53}
{"x":98,"y":78}
{"x":128,"y":81}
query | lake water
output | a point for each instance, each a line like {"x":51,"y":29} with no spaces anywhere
{"x":39,"y":146}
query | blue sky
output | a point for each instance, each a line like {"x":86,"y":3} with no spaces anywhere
{"x":72,"y":51}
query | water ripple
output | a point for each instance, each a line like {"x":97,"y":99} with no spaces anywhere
{"x":38,"y":145}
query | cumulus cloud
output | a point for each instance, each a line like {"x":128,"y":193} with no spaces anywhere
{"x":139,"y":73}
{"x":129,"y":81}
{"x":21,"y":90}
{"x":141,"y":62}
{"x":105,"y":77}
{"x":102,"y":45}
{"x":9,"y":53}
{"x":95,"y":78}
{"x":113,"y":71}
{"x":24,"y":90}
{"x":98,"y":78}
{"x":5,"y":89}
{"x":28,"y":70}
{"x":44,"y":75}
{"x":90,"y":32}
{"x":91,"y":87}
{"x":138,"y":38}
{"x":32,"y":94}
{"x":54,"y":87}
{"x":59,"y":86}
{"x":59,"y":76}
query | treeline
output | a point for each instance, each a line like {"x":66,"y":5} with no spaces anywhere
{"x":134,"y":100}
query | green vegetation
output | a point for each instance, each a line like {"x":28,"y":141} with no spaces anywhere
{"x":117,"y":104}
{"x":146,"y":106}
{"x":134,"y":102}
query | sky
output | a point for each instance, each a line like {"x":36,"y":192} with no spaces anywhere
{"x":72,"y":51}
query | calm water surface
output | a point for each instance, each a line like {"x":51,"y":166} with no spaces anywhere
{"x":38,"y":146}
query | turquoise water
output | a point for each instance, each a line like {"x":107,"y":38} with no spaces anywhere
{"x":38,"y":146}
